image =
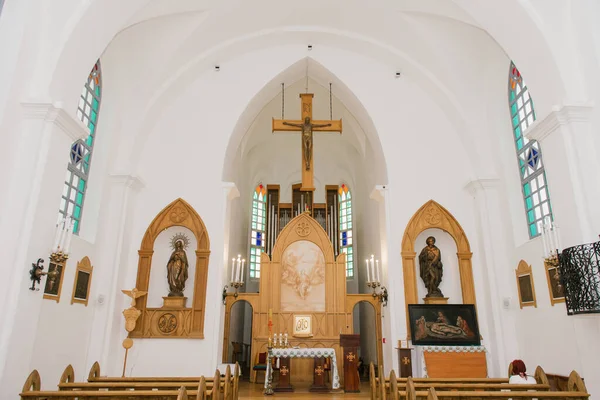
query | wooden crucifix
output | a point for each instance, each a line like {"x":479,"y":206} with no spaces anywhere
{"x":307,"y":125}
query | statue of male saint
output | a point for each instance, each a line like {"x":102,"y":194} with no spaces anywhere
{"x":307,"y":137}
{"x":177,"y":270}
{"x":430,"y":262}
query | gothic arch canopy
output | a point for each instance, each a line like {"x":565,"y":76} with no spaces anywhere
{"x":178,"y":213}
{"x":433,"y":215}
{"x":188,"y":322}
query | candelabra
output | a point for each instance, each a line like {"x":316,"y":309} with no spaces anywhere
{"x":373,"y":273}
{"x":62,"y":240}
{"x":237,"y":277}
{"x":379,"y":292}
{"x":550,"y":241}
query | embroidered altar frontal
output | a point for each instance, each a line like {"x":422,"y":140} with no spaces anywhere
{"x":306,"y":353}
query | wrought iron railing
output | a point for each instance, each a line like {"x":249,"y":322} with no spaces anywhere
{"x":580,"y":276}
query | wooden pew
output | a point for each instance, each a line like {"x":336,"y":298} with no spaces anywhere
{"x":229,"y":385}
{"x":577,"y":390}
{"x":379,"y":391}
{"x":445,"y":384}
{"x":200,"y":391}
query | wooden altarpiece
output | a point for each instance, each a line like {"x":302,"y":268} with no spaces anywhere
{"x":327,"y":325}
{"x":182,"y":322}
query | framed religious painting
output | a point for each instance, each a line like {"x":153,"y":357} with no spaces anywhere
{"x":54,"y":280}
{"x":83,"y":281}
{"x":525,"y":285}
{"x":555,"y":286}
{"x":444,"y":325}
{"x":302,"y":326}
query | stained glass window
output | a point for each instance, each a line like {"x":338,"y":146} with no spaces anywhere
{"x":80,"y":154}
{"x":346,"y":237}
{"x":529,"y":154}
{"x":258,"y":224}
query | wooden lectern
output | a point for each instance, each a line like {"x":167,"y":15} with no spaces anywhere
{"x":351,"y":343}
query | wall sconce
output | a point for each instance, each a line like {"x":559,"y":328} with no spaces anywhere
{"x":237,"y":276}
{"x":35,"y":274}
{"x":374,"y":282}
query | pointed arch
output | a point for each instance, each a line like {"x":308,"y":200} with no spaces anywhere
{"x":534,"y":185}
{"x":433,"y":215}
{"x":191,"y":320}
{"x":80,"y":154}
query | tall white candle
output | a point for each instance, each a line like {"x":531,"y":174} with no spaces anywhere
{"x":368,"y":274}
{"x":57,"y":235}
{"x":69,"y":237}
{"x":373,"y":267}
{"x":242,"y":271}
{"x":233,"y":270}
{"x":63,"y":235}
{"x":377,"y":269}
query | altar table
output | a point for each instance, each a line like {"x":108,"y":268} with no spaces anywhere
{"x":303,"y":353}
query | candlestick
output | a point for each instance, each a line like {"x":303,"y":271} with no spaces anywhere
{"x":373,"y":267}
{"x":57,"y":234}
{"x":377,"y":270}
{"x":242,"y":274}
{"x":62,"y":235}
{"x":69,"y":237}
{"x":368,"y":274}
{"x":232,"y":269}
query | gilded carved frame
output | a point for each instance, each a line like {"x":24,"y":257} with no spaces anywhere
{"x":553,"y":276}
{"x":433,"y":215}
{"x":187,"y":322}
{"x":86,"y":267}
{"x":524,"y":276}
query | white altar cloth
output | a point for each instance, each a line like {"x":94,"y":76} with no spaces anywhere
{"x":304,"y":353}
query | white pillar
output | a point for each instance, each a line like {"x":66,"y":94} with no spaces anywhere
{"x":571,"y":158}
{"x":393,"y":316}
{"x":230,"y":193}
{"x":496,"y":271}
{"x":109,"y":278}
{"x":31,"y":203}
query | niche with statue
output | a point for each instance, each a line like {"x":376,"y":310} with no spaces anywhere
{"x":173,"y":269}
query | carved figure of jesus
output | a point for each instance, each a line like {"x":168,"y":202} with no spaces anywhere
{"x":307,"y":137}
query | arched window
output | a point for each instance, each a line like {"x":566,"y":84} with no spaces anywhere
{"x":80,"y":157}
{"x":258,"y":236}
{"x":529,"y":154}
{"x":346,"y":239}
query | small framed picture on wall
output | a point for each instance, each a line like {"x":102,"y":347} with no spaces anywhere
{"x":525,"y":285}
{"x":302,"y":326}
{"x":555,"y":286}
{"x":83,"y":281}
{"x":54,"y":280}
